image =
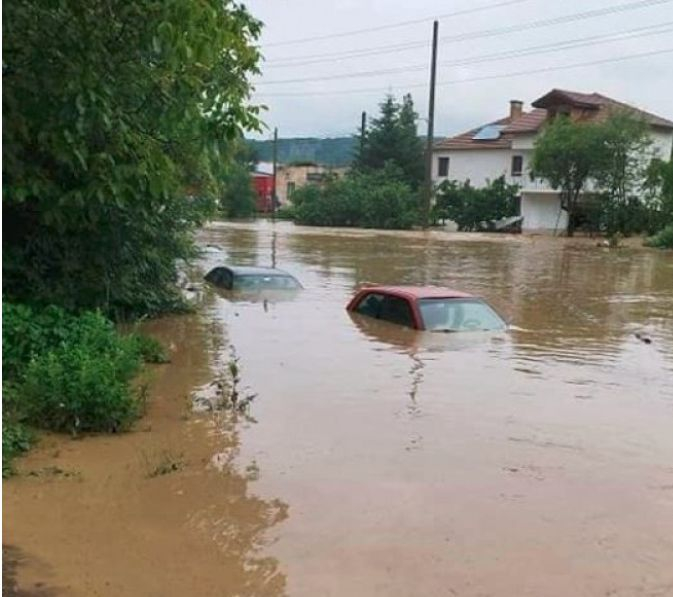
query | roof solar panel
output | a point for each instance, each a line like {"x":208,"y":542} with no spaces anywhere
{"x":489,"y":132}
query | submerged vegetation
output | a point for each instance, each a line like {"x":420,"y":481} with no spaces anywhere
{"x":68,"y":373}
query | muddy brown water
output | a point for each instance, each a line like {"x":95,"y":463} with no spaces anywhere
{"x":376,"y":460}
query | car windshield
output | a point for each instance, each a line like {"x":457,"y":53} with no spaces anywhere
{"x":459,"y":315}
{"x":265,"y":282}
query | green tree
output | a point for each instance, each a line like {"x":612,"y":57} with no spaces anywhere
{"x":468,"y":206}
{"x":237,"y":197}
{"x":393,"y":138}
{"x":113,"y":110}
{"x":659,"y":187}
{"x":568,"y":155}
{"x":373,"y":199}
{"x":625,"y":155}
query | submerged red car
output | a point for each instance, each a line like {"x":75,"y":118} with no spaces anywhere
{"x":427,"y":308}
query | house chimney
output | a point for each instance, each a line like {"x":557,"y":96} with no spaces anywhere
{"x":515,"y":109}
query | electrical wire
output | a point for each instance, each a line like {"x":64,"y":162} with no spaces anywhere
{"x":352,"y":32}
{"x":468,"y":36}
{"x":473,"y":79}
{"x":521,"y":52}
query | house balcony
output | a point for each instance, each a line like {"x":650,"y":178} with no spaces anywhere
{"x":533,"y":186}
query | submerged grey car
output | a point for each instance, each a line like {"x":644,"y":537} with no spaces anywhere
{"x":251,"y":278}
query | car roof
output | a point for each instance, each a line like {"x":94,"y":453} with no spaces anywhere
{"x":419,"y":292}
{"x":250,"y":270}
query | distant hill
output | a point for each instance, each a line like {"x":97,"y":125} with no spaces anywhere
{"x":337,"y":151}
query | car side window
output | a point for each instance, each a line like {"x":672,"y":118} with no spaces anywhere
{"x":225,"y":279}
{"x":397,"y":310}
{"x":370,"y":305}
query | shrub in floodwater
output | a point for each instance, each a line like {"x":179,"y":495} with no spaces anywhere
{"x":164,"y":463}
{"x":151,"y":350}
{"x":76,"y":388}
{"x":71,"y":372}
{"x":662,"y":239}
{"x":16,"y":439}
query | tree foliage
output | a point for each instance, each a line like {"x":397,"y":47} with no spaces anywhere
{"x":468,"y":206}
{"x":621,"y":171}
{"x":237,"y":197}
{"x":609,"y":161}
{"x":112,"y":111}
{"x":567,"y":155}
{"x":367,"y":200}
{"x":659,"y":186}
{"x":393,"y":138}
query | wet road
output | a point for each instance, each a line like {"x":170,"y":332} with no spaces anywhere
{"x":377,"y":460}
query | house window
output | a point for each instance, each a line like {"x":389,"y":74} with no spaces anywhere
{"x":290,"y":189}
{"x":517,"y":165}
{"x":443,"y":167}
{"x":315,"y":177}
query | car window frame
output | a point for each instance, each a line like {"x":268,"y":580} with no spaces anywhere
{"x":388,"y":298}
{"x":363,"y":298}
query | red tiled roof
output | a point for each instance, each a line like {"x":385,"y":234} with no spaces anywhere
{"x":530,"y":122}
{"x":605,"y":105}
{"x":465,"y":140}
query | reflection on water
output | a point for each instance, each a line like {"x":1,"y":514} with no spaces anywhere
{"x":381,"y":460}
{"x":119,"y":530}
{"x":498,"y":458}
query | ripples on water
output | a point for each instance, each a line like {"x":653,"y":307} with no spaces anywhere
{"x":574,"y":307}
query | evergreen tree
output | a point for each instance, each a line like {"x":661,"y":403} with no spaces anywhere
{"x":393,"y":138}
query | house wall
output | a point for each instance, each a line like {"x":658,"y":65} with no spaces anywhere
{"x":299,"y":176}
{"x":542,"y":212}
{"x":539,"y":202}
{"x":475,"y":165}
{"x":481,"y":165}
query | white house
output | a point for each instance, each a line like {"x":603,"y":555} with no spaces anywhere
{"x":504,"y":147}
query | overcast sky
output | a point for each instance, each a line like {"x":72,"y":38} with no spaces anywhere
{"x":335,"y":109}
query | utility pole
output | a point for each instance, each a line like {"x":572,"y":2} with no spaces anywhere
{"x":427,"y":191}
{"x":275,"y":164}
{"x":363,"y":128}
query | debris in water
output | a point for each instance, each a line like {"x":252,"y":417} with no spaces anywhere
{"x":643,"y":338}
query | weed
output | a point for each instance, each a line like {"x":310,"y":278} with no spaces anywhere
{"x":151,"y":350}
{"x":164,"y":463}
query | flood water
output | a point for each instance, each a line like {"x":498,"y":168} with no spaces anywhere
{"x":377,"y":460}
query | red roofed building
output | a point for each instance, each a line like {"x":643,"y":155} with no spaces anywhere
{"x":504,"y":147}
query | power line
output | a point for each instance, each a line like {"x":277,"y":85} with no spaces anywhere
{"x":391,"y":48}
{"x":473,"y":79}
{"x":447,"y":15}
{"x":516,"y":53}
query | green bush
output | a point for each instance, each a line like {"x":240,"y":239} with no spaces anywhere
{"x":71,"y":372}
{"x":16,"y":439}
{"x":150,"y":349}
{"x":662,"y":239}
{"x":366,"y":200}
{"x":468,"y":206}
{"x":286,"y":212}
{"x":75,"y":388}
